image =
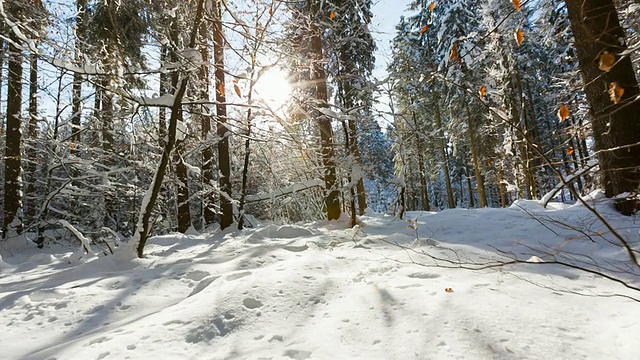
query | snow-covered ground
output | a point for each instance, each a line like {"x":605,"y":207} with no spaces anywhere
{"x":323,"y":291}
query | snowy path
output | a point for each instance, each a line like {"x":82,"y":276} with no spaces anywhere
{"x":308,"y":293}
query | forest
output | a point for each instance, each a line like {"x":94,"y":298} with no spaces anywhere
{"x":125,"y":119}
{"x":319,"y":179}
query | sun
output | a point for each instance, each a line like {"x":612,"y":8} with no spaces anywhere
{"x":274,"y":88}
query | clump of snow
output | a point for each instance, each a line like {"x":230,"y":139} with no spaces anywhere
{"x":279,"y":232}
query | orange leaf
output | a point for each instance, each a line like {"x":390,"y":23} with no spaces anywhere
{"x":563,"y":113}
{"x":221,"y":89}
{"x":236,"y":88}
{"x":570,"y":150}
{"x":432,"y":6}
{"x":615,"y":92}
{"x":424,"y":28}
{"x":72,"y":146}
{"x":483,"y":91}
{"x":607,"y":60}
{"x":453,"y":55}
{"x":332,"y":15}
{"x":519,"y":34}
{"x":516,"y":4}
{"x":449,"y":290}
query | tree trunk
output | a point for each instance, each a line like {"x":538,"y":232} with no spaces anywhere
{"x":32,"y":158}
{"x":332,"y":197}
{"x":205,"y":123}
{"x":482,"y":195}
{"x":82,"y":17}
{"x":182,"y":176}
{"x":12,"y":224}
{"x":224,"y":163}
{"x":443,"y":153}
{"x":616,"y":127}
{"x":148,"y":203}
{"x":162,"y":90}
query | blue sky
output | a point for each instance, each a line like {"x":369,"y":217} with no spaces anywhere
{"x":386,"y":15}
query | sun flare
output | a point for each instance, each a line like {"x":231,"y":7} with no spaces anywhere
{"x":274,"y":88}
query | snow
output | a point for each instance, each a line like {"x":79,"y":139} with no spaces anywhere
{"x":321,"y":291}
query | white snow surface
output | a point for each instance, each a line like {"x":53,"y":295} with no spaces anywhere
{"x":323,"y":291}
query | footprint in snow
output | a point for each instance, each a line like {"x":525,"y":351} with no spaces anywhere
{"x":297,"y":354}
{"x":251,"y":303}
{"x":424,"y":276}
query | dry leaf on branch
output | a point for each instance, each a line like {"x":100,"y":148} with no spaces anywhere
{"x":516,"y":4}
{"x":432,"y":6}
{"x":453,"y":55}
{"x":332,"y":15}
{"x":519,"y":34}
{"x":424,"y":28}
{"x":563,"y":113}
{"x":570,"y":150}
{"x":482,"y":91}
{"x":236,"y":88}
{"x":615,"y":92}
{"x":607,"y":60}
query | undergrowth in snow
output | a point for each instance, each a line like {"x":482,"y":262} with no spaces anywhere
{"x":324,"y":291}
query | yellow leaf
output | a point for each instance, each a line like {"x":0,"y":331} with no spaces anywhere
{"x":432,"y":6}
{"x":483,"y":91}
{"x":453,"y":55}
{"x":332,"y":15}
{"x":424,"y":28}
{"x":563,"y":113}
{"x":607,"y":60}
{"x":516,"y":4}
{"x":615,"y":92}
{"x":519,"y":34}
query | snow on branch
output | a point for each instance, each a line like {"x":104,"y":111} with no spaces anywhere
{"x":285,"y":191}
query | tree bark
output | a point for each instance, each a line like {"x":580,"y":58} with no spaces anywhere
{"x":32,"y":159}
{"x":82,"y":17}
{"x":616,"y":127}
{"x":144,"y":224}
{"x":332,"y":195}
{"x":12,"y":224}
{"x":205,"y":123}
{"x":224,"y":163}
{"x":482,"y":194}
{"x":443,"y":152}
